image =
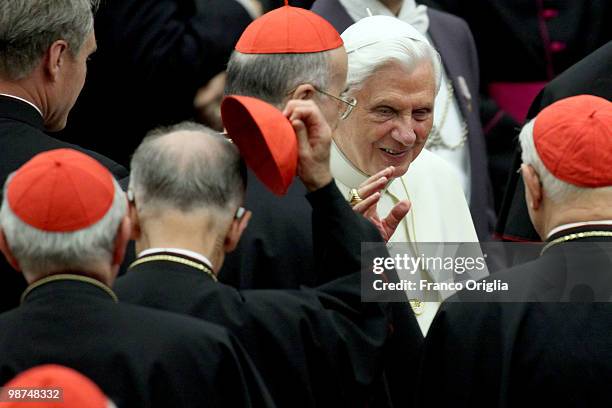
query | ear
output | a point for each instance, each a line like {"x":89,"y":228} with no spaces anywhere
{"x":6,"y":250}
{"x":304,"y":91}
{"x":235,"y":232}
{"x":533,"y":186}
{"x":135,"y":230}
{"x":121,"y":241}
{"x":55,"y":58}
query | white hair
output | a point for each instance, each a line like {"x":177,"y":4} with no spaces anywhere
{"x":410,"y":52}
{"x":272,"y":77}
{"x":555,"y":189}
{"x":41,"y":252}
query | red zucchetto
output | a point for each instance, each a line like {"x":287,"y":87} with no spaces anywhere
{"x":63,"y":388}
{"x":287,"y":30}
{"x":573,"y":137}
{"x":61,"y":190}
{"x":265,"y":138}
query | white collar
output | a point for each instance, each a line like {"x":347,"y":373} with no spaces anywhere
{"x":410,"y":13}
{"x":345,"y":172}
{"x":178,"y":251}
{"x":577,"y":224}
{"x":24,"y":100}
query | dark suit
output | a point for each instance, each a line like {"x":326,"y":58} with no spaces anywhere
{"x":22,"y":136}
{"x":537,"y":353}
{"x":139,"y":357}
{"x":592,"y":75}
{"x":314,"y":347}
{"x":453,"y":40}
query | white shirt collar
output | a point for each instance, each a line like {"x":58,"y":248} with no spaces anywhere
{"x":178,"y":251}
{"x":411,"y":13}
{"x":24,"y":100}
{"x":577,"y":224}
{"x":345,"y":172}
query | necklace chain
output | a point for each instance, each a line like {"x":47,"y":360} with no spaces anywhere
{"x":435,"y":140}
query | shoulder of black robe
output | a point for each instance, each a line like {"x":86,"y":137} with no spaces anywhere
{"x":22,"y":137}
{"x":313,"y":347}
{"x":153,"y":56}
{"x":276,"y":250}
{"x":139,"y":357}
{"x":509,"y":354}
{"x":592,"y":75}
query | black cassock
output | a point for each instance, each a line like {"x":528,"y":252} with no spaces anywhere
{"x":314,"y":347}
{"x":139,"y":357}
{"x":22,"y":136}
{"x":538,"y":353}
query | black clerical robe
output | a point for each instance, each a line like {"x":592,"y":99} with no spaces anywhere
{"x":538,"y":353}
{"x":139,"y":357}
{"x":22,"y":136}
{"x":318,"y":347}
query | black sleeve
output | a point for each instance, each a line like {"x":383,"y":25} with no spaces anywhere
{"x":337,"y":234}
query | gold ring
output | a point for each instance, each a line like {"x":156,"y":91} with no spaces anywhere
{"x":354,"y":198}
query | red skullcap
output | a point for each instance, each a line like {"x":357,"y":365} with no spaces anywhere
{"x":288,"y":30}
{"x":77,"y":391}
{"x":265,"y":138}
{"x":61,"y":190}
{"x":573,"y":138}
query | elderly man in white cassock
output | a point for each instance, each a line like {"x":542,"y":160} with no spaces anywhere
{"x":394,"y":76}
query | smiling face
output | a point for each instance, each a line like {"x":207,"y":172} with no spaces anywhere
{"x":393,"y":117}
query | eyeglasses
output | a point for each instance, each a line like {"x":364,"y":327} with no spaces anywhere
{"x":347,"y":103}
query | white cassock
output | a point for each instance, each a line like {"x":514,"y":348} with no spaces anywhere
{"x":439,"y":212}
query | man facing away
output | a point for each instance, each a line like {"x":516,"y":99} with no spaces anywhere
{"x":314,"y":347}
{"x":44,"y":47}
{"x":546,"y":341}
{"x":64,"y":223}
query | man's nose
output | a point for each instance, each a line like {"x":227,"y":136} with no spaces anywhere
{"x":404,"y":133}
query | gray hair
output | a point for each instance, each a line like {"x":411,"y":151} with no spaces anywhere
{"x":210,"y":175}
{"x":41,"y":252}
{"x":365,"y":61}
{"x":271,"y":77}
{"x":555,"y":189}
{"x":29,"y":27}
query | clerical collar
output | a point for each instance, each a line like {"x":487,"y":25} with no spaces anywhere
{"x":24,"y":100}
{"x":176,"y":255}
{"x":68,"y":277}
{"x":178,"y":251}
{"x":560,"y":228}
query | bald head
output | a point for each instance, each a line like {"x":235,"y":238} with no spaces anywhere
{"x":187,"y":167}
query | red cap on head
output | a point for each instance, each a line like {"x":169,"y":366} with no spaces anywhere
{"x":288,"y":30}
{"x":573,"y":138}
{"x":77,"y":391}
{"x":61,"y":190}
{"x":265,"y":138}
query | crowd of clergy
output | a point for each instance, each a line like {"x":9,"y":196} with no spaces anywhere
{"x":192,"y":222}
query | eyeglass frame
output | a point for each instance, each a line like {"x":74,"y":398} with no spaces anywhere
{"x":350,"y":101}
